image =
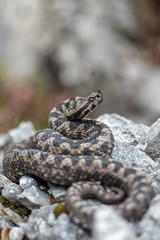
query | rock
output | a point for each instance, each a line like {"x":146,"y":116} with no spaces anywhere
{"x":11,"y":192}
{"x":153,"y":141}
{"x":130,"y":141}
{"x":135,"y":158}
{"x":149,"y":226}
{"x":108,"y":225}
{"x":16,"y":233}
{"x":26,"y":182}
{"x":33,"y":197}
{"x":10,"y":216}
{"x":40,"y":223}
{"x":125,"y":130}
{"x":58,"y":192}
{"x":3,"y":223}
{"x":22,"y":132}
{"x":4,"y":181}
{"x":64,"y":228}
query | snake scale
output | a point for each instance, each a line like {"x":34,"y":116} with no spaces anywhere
{"x":76,"y":152}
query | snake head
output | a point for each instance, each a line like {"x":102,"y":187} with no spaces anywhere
{"x":95,"y":98}
{"x":82,"y":106}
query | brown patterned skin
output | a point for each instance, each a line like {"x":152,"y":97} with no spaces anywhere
{"x":75,"y":151}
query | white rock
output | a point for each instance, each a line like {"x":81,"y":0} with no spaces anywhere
{"x":16,"y":233}
{"x":26,"y":182}
{"x":149,"y":226}
{"x":22,"y":132}
{"x":125,"y":130}
{"x":4,"y":181}
{"x":11,"y":192}
{"x":33,"y":197}
{"x":108,"y":225}
{"x":58,"y":192}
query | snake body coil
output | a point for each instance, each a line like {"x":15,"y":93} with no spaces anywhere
{"x":76,"y":151}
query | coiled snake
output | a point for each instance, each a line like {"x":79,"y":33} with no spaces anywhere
{"x":76,"y":151}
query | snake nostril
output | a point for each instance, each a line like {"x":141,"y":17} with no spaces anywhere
{"x":91,"y":99}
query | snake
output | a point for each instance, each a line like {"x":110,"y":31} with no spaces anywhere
{"x":75,"y":151}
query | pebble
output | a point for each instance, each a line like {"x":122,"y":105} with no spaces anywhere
{"x":16,"y":233}
{"x":26,"y":182}
{"x":33,"y":197}
{"x":58,"y":192}
{"x":11,"y":192}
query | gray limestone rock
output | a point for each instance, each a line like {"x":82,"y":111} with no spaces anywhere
{"x":21,"y":133}
{"x":11,"y":192}
{"x":153,"y":141}
{"x":125,"y":130}
{"x":33,"y":198}
{"x":137,"y":159}
{"x":16,"y":233}
{"x":4,"y":181}
{"x":3,"y":223}
{"x":40,"y":222}
{"x":108,"y":225}
{"x":130,"y":144}
{"x":26,"y":182}
{"x":130,"y":139}
{"x":58,"y":192}
{"x":149,"y":227}
{"x":64,"y":228}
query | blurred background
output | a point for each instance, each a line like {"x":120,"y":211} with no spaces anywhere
{"x":54,"y":49}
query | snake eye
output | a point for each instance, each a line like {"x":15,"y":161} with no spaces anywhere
{"x":91,"y":99}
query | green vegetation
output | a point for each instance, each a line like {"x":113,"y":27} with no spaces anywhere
{"x":15,"y":206}
{"x":60,"y":208}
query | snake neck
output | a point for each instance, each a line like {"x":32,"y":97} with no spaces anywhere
{"x":80,"y":107}
{"x":76,"y":108}
{"x":68,"y":117}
